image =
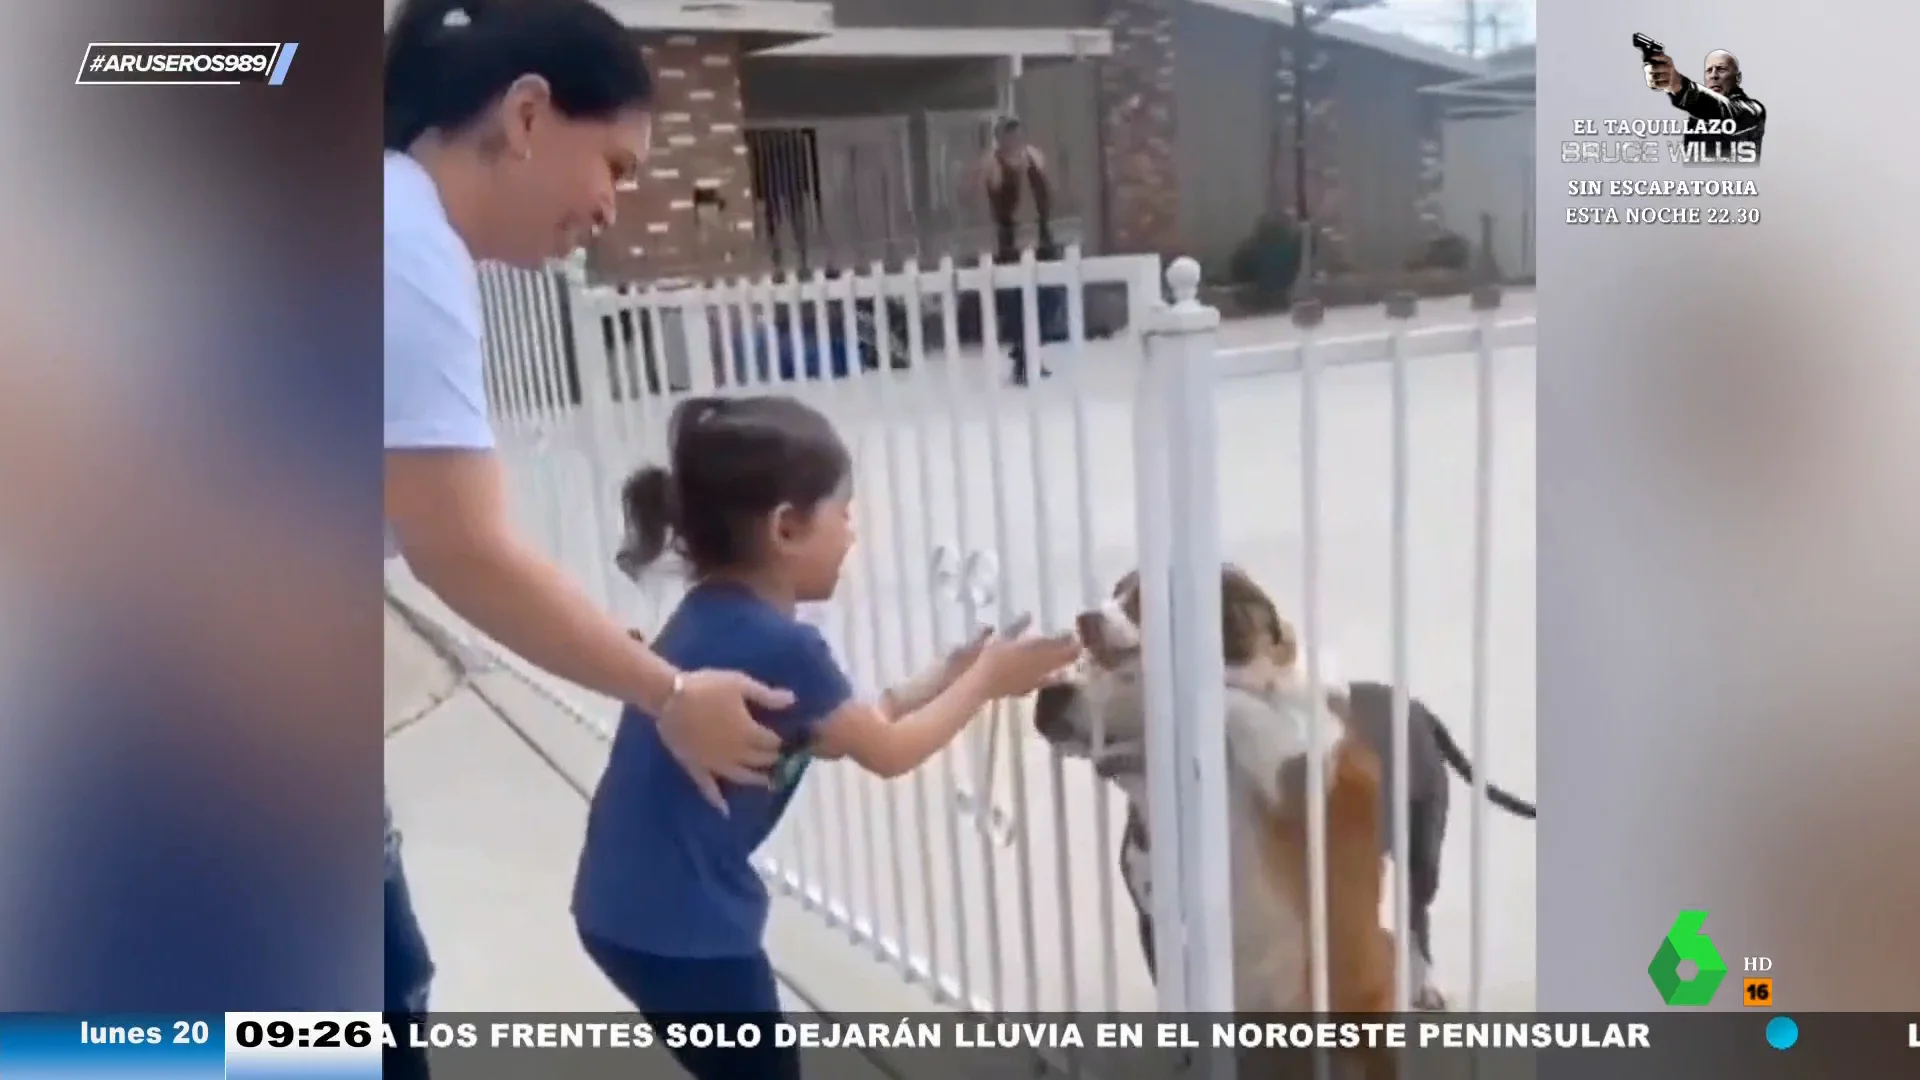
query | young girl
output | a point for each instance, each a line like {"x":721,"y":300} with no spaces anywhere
{"x":666,"y":901}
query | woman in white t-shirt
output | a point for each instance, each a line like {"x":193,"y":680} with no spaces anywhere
{"x":508,"y":125}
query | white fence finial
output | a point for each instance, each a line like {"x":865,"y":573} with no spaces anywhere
{"x":1183,"y":279}
{"x":1186,"y":315}
{"x":573,"y":266}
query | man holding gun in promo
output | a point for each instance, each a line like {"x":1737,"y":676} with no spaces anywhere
{"x":1717,"y":98}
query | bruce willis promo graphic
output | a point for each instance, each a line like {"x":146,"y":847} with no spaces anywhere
{"x":1712,"y":126}
{"x":1711,"y":120}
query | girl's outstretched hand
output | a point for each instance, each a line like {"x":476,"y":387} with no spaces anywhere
{"x":965,"y":656}
{"x":922,"y":688}
{"x":1014,"y":665}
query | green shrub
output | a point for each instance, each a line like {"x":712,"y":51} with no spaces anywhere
{"x":1267,"y":262}
{"x":1448,"y":251}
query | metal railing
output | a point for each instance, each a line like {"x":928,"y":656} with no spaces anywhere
{"x":988,"y":877}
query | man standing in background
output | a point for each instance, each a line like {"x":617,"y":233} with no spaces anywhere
{"x":1015,"y":167}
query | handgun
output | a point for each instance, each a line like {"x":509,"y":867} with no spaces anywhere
{"x":1648,"y":47}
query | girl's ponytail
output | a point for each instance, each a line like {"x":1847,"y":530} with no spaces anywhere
{"x":653,"y":517}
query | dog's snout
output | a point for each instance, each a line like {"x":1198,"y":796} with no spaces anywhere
{"x":1050,"y":708}
{"x":1092,"y":627}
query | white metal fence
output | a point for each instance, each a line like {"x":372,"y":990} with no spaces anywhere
{"x":989,"y":877}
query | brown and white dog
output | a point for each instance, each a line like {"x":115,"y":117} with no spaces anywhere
{"x":1261,"y":650}
{"x":1269,"y":736}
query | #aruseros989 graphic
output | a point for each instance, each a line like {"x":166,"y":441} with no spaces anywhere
{"x":163,"y":63}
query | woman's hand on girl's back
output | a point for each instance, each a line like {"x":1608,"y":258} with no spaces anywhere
{"x":710,"y":732}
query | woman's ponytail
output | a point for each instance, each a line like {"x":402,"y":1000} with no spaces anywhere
{"x":421,"y":59}
{"x":448,"y":61}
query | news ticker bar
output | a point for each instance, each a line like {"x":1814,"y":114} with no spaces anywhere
{"x":162,"y":63}
{"x":347,"y":1046}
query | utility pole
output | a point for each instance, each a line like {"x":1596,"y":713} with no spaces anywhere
{"x":1303,"y":44}
{"x":1306,"y":18}
{"x":1490,"y":19}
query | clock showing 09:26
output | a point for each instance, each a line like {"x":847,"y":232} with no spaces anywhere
{"x":283,"y":1037}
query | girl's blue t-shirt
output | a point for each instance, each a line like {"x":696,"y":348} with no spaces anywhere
{"x":662,"y":871}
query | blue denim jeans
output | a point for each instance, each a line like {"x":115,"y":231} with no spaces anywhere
{"x":1010,"y":318}
{"x":409,"y":966}
{"x":668,"y":990}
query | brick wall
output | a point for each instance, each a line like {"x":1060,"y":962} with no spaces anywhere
{"x":698,"y":143}
{"x":1138,"y":136}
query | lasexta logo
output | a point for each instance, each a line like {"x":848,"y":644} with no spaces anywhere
{"x":1685,"y":941}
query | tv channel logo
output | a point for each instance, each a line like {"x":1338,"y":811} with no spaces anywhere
{"x":1685,"y":941}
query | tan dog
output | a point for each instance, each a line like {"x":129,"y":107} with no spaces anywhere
{"x":1360,"y":952}
{"x":1270,"y":721}
{"x":1260,"y":644}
